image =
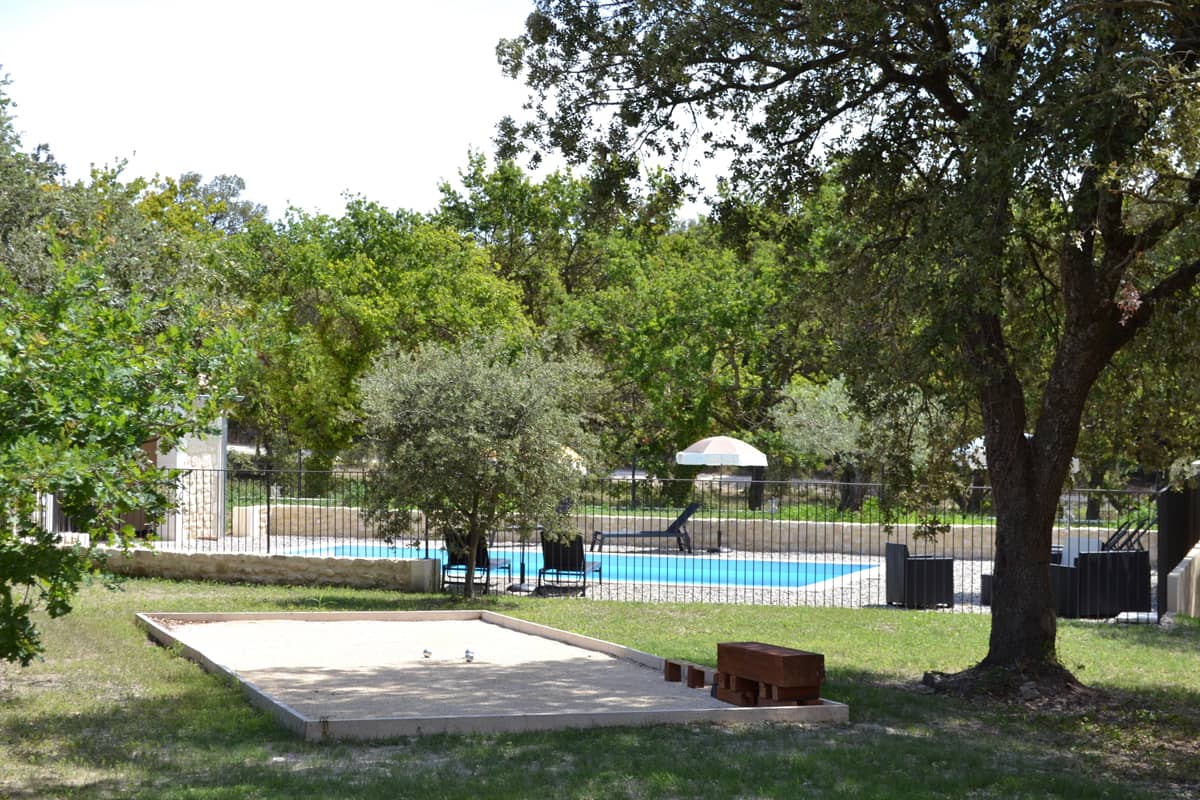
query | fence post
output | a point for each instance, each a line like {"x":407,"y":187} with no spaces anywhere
{"x":267,"y":486}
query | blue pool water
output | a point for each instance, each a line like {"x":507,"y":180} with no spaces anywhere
{"x":700,"y":569}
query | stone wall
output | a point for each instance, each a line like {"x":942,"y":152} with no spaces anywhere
{"x":342,"y":522}
{"x":416,"y":575}
{"x":1183,"y":586}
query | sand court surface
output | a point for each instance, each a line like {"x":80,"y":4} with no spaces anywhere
{"x":365,"y":675}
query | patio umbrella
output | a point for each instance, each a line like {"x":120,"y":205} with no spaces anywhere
{"x":723,"y":451}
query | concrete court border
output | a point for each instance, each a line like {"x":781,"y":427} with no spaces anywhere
{"x":157,"y":626}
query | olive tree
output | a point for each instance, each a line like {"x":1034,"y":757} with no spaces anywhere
{"x":475,"y":436}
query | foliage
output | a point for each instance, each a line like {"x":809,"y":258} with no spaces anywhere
{"x":479,"y":435}
{"x":699,"y":336}
{"x":328,"y":295}
{"x":541,"y":236}
{"x":819,"y":421}
{"x":217,"y":205}
{"x":697,"y":325}
{"x":85,"y":380}
{"x":26,"y":182}
{"x":108,"y":343}
{"x":1021,"y":201}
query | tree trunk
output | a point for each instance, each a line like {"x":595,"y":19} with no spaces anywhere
{"x":1028,"y":473}
{"x":1026,"y":499}
{"x":1024,"y":624}
{"x":757,"y":486}
{"x":474,"y":535}
{"x":852,"y":491}
{"x":1095,"y":481}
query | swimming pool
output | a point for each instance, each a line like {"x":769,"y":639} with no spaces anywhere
{"x":701,"y":569}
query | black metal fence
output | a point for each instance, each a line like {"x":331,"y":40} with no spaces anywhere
{"x":794,"y":542}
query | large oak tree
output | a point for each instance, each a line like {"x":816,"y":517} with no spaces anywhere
{"x":1020,"y":177}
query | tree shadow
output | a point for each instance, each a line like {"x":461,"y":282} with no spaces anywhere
{"x":1177,"y":638}
{"x":206,"y":741}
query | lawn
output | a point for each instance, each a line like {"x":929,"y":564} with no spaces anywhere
{"x":108,"y":714}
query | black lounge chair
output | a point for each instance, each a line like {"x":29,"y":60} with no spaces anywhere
{"x":564,"y":567}
{"x":678,"y":529}
{"x":1129,"y":536}
{"x":454,"y":571}
{"x":918,"y":581}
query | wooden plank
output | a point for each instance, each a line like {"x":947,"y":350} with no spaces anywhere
{"x":740,"y":684}
{"x":672,"y":671}
{"x":695,"y":677}
{"x":737,"y":698}
{"x":773,"y":664}
{"x":787,"y":694}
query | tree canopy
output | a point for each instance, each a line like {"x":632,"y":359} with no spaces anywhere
{"x":477,"y":435}
{"x":329,"y":294}
{"x":1021,"y":193}
{"x":106,"y":345}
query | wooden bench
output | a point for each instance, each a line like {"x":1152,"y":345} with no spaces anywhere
{"x":754,"y":673}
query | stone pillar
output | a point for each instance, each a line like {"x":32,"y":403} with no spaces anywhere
{"x":200,"y":503}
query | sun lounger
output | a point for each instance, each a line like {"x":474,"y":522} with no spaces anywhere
{"x":677,"y":529}
{"x":1129,"y":536}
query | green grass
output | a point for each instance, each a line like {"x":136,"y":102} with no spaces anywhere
{"x":107,"y":714}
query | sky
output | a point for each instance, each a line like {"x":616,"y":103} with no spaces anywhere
{"x":304,"y":100}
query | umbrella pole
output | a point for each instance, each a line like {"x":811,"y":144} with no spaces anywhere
{"x":720,"y":504}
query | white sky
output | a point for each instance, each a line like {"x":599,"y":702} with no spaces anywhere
{"x":304,"y":100}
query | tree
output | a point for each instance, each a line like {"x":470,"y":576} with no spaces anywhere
{"x":85,"y":380}
{"x":1021,"y":181}
{"x":24,"y":178}
{"x":330,"y":294}
{"x":692,"y":327}
{"x":220,"y":200}
{"x":532,"y":231}
{"x":103,"y":348}
{"x":551,"y":237}
{"x":819,"y":420}
{"x":475,"y":435}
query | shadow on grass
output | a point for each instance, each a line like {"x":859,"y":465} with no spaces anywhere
{"x":204,"y":741}
{"x":199,"y":738}
{"x":1179,"y":638}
